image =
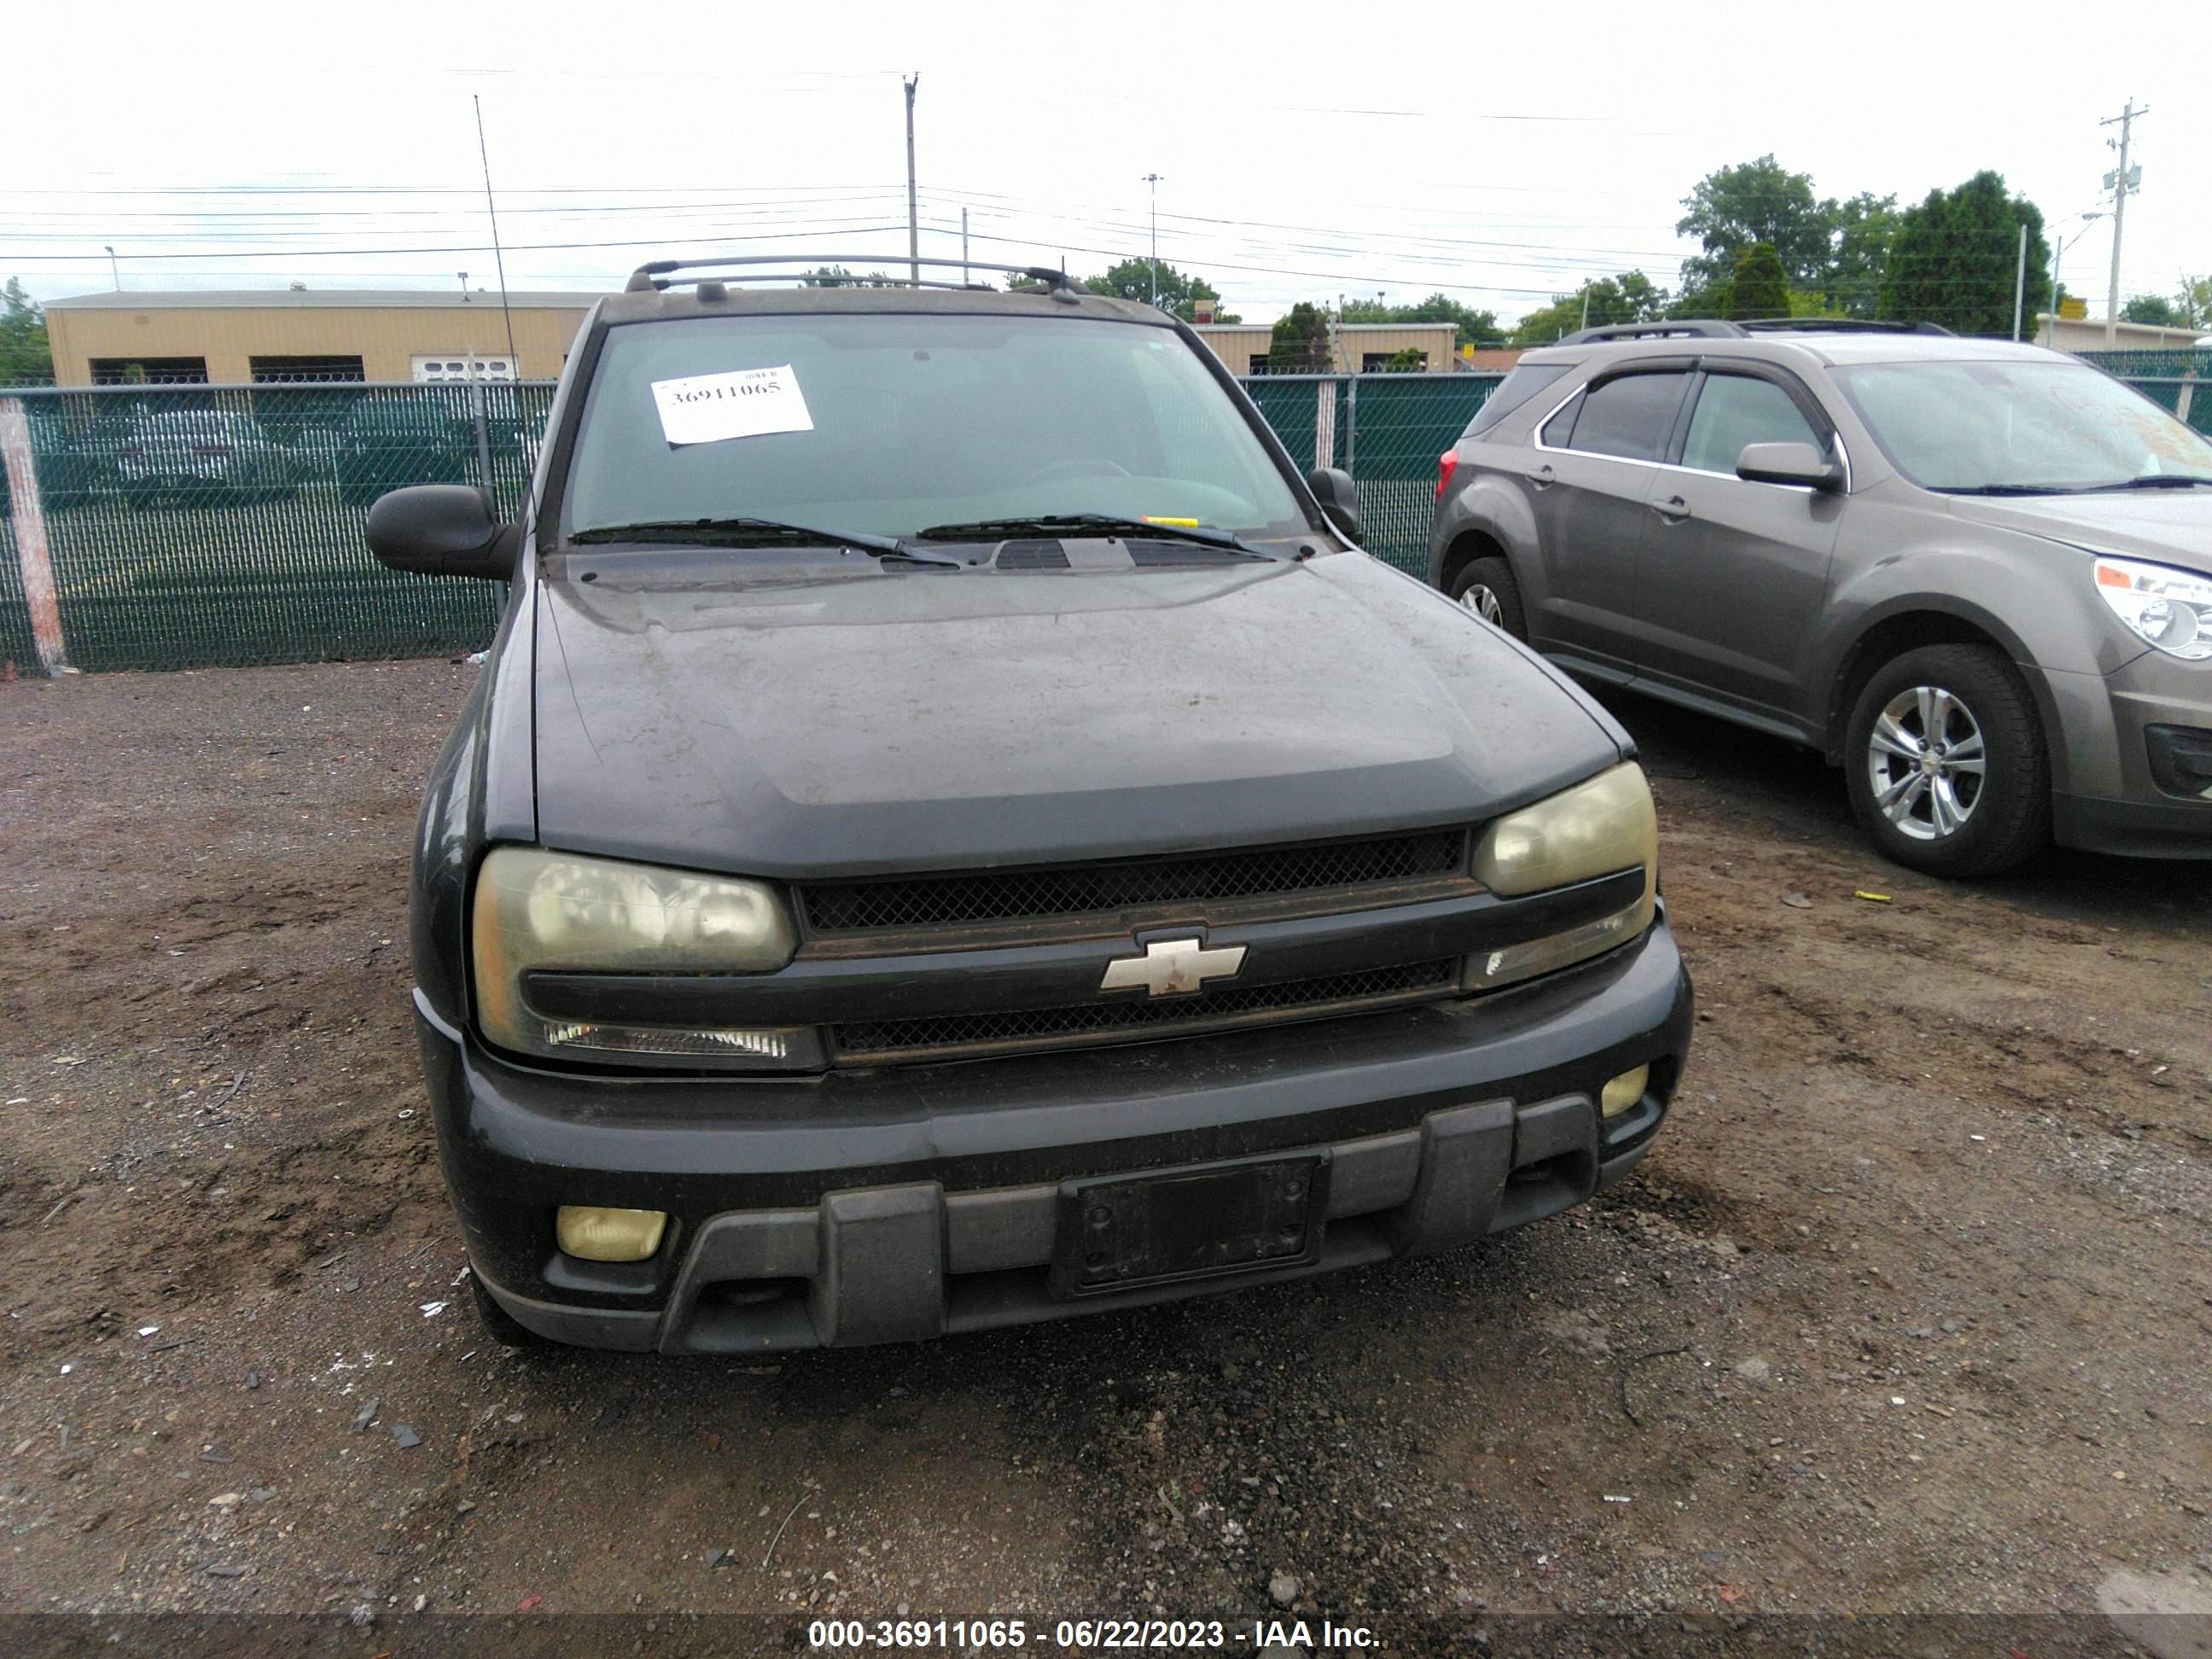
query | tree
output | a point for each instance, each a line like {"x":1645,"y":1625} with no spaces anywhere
{"x":1955,"y":256}
{"x":1411,"y":360}
{"x":1759,"y":287}
{"x":1860,"y":230}
{"x":1469,"y":327}
{"x":838,"y":276}
{"x":2153,"y":308}
{"x":24,"y":357}
{"x":1628,"y":298}
{"x":1758,"y":201}
{"x":1179,"y":292}
{"x":2194,"y":302}
{"x":1299,"y":345}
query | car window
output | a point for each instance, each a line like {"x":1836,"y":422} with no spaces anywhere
{"x":1509,"y":393}
{"x":1736,"y":410}
{"x":1629,"y":416}
{"x":891,"y":422}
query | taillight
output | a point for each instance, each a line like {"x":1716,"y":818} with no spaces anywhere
{"x":1447,"y":464}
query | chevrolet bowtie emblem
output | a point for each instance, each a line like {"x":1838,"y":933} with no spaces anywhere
{"x":1172,"y":967}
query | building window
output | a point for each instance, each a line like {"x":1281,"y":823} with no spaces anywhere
{"x":460,"y":366}
{"x":298,"y":371}
{"x":1411,"y":361}
{"x":149,"y":371}
{"x":1259,"y":364}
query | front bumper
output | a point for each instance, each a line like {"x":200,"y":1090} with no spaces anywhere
{"x":2109,"y":799}
{"x":888,"y":1204}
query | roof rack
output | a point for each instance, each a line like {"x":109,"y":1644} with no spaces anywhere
{"x":1695,"y":328}
{"x":1713,"y":328}
{"x":1836,"y":325}
{"x":658,"y":273}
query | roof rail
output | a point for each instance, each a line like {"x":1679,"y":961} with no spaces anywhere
{"x":1835,"y":325}
{"x":1695,"y":328}
{"x":1713,"y":328}
{"x":658,"y":273}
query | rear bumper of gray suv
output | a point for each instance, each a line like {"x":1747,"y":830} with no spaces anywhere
{"x":901,"y":1203}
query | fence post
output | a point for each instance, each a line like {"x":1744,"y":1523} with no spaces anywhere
{"x":484,"y":437}
{"x":2186,"y":397}
{"x":1325,"y":422}
{"x":29,"y":516}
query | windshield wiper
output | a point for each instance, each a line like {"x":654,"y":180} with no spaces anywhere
{"x":2152,"y":481}
{"x":755,"y":532}
{"x":2000,"y":489}
{"x":1058,"y":524}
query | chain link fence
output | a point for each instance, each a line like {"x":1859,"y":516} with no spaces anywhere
{"x":197,"y":526}
{"x":189,"y":526}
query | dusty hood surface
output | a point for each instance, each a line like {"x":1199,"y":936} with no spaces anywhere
{"x":2167,"y":526}
{"x":854,"y":723}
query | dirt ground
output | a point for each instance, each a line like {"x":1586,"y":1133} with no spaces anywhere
{"x":1909,"y":1311}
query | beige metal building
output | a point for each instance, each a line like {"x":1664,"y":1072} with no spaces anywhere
{"x":2088,"y":334}
{"x":1361,"y":347}
{"x":273,"y":336}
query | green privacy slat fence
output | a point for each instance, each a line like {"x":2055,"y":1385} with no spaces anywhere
{"x":199,"y":525}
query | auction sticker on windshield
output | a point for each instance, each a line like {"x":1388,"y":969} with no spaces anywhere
{"x":705,"y":409}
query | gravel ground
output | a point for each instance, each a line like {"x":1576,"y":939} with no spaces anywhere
{"x":1907,"y":1313}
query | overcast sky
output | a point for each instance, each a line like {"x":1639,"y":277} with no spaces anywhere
{"x":1502,"y":154}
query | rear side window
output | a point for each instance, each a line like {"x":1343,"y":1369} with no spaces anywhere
{"x":1629,"y":416}
{"x":1515,"y":389}
{"x":1736,"y":410}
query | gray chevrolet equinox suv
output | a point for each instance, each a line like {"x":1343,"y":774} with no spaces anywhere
{"x":1976,"y":576}
{"x":953,"y":831}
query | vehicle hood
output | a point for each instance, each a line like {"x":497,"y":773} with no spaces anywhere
{"x":849,"y":724}
{"x":2170,"y":527}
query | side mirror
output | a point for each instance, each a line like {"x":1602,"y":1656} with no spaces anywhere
{"x":443,"y":530}
{"x":1339,"y":500}
{"x":1790,"y":464}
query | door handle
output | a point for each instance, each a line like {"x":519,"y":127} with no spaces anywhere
{"x":1674,"y":509}
{"x":1543,"y":476}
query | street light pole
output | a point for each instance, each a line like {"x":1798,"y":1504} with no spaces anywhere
{"x":1153,"y":179}
{"x":114,"y":270}
{"x":2058,"y":246}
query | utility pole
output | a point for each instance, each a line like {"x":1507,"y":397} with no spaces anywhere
{"x":114,"y":270}
{"x":963,"y":247}
{"x":913,"y":214}
{"x":1153,"y":179}
{"x":2121,"y":182}
{"x":2020,"y":283}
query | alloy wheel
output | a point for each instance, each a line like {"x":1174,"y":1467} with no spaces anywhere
{"x":1927,"y":762}
{"x":1482,"y":599}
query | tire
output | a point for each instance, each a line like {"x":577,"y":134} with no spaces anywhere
{"x":1487,"y":588}
{"x":500,"y":1325}
{"x":1981,"y":803}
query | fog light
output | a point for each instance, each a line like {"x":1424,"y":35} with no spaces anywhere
{"x":1623,"y":1092}
{"x":596,"y":1235}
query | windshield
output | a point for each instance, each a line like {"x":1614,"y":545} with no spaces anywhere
{"x":891,"y":424}
{"x":2018,"y":425}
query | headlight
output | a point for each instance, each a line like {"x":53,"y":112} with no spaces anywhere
{"x":537,"y":911}
{"x":2164,"y":607}
{"x":1595,"y":828}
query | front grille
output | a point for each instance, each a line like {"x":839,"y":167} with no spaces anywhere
{"x":1044,"y":1028}
{"x":1027,"y":894}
